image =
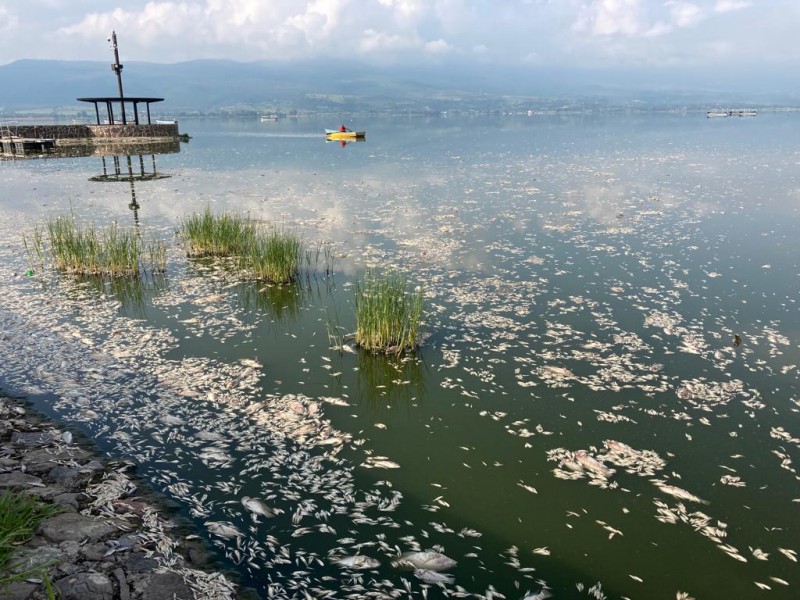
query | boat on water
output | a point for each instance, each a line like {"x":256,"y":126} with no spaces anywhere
{"x":269,"y":118}
{"x":335,"y":134}
{"x":716,"y":114}
{"x":166,"y":121}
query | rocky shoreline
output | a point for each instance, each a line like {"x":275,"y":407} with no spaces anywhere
{"x":111,"y":541}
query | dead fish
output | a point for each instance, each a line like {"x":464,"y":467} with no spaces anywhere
{"x":223,"y":529}
{"x":541,"y":595}
{"x":426,"y":560}
{"x":171,"y":420}
{"x":433,"y":577}
{"x":358,"y":561}
{"x":257,"y":507}
{"x":592,"y":464}
{"x":379,"y":463}
{"x":677,"y":492}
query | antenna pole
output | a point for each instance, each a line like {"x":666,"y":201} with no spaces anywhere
{"x":117,"y":68}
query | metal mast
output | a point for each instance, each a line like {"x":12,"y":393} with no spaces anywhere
{"x":117,"y":68}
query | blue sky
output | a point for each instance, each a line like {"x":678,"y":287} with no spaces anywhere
{"x":562,"y":33}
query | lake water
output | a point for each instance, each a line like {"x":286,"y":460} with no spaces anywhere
{"x":578,"y":416}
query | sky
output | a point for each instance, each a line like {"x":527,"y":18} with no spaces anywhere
{"x":586,"y":34}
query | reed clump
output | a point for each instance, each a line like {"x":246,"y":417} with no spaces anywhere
{"x":84,"y":249}
{"x":20,"y":517}
{"x":273,"y":254}
{"x":207,"y":234}
{"x":388,"y":316}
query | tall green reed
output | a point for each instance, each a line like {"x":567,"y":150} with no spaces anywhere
{"x":273,"y":255}
{"x":388,"y":317}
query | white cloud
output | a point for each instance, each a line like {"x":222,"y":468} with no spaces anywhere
{"x":438,"y":47}
{"x":565,"y":32}
{"x":731,"y":5}
{"x":611,"y":17}
{"x":8,"y":21}
{"x":637,"y":18}
{"x":685,"y":14}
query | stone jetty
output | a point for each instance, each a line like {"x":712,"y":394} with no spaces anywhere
{"x":111,"y":541}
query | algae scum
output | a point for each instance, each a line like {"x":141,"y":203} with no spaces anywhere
{"x":581,"y":418}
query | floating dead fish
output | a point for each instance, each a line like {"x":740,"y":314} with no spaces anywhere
{"x":677,"y":492}
{"x":223,"y":529}
{"x":257,"y":507}
{"x":542,"y":594}
{"x":358,"y":562}
{"x":429,"y":576}
{"x":379,"y":462}
{"x":426,"y":560}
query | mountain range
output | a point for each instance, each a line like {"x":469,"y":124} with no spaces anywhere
{"x":220,"y":86}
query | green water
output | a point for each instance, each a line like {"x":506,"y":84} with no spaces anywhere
{"x":585,"y":277}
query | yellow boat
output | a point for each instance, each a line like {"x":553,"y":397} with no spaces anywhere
{"x":335,"y":134}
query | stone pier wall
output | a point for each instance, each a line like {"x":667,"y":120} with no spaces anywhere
{"x":70,"y":134}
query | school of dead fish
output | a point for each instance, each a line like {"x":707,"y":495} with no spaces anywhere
{"x":264,"y":472}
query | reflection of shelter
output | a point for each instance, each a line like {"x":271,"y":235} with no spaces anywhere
{"x":121,"y":168}
{"x":112,"y":100}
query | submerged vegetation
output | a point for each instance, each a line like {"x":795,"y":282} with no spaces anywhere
{"x":81,"y":249}
{"x":388,"y":317}
{"x":20,"y":517}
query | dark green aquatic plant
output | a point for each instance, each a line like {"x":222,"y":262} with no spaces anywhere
{"x":207,"y":234}
{"x":84,"y":249}
{"x":20,"y":517}
{"x":272,"y":255}
{"x":275,"y":256}
{"x":388,"y":317}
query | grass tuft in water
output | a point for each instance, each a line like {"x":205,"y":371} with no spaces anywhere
{"x":20,"y":517}
{"x":275,"y":256}
{"x":207,"y":234}
{"x":86,"y":250}
{"x":388,"y":317}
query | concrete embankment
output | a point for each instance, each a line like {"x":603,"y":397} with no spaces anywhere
{"x":111,"y":541}
{"x":80,"y":134}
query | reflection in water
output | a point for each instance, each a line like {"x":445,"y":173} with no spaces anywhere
{"x":385,"y":380}
{"x":281,"y":302}
{"x":131,"y":292}
{"x":116,"y":174}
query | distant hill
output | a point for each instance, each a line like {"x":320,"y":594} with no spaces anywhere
{"x":229,"y":86}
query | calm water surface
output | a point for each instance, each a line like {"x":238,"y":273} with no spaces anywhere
{"x":578,"y":416}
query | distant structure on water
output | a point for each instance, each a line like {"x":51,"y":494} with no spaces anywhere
{"x":116,"y":127}
{"x":738,"y":112}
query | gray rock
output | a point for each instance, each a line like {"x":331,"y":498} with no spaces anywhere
{"x":71,"y":549}
{"x":167,"y":586}
{"x":32,"y":439}
{"x":85,"y":586}
{"x":95,"y":552}
{"x":69,"y":499}
{"x":75,"y":527}
{"x":49,"y":492}
{"x":66,"y":476}
{"x":138,"y":563}
{"x":18,"y":591}
{"x":124,"y":588}
{"x":92,"y":466}
{"x":28,"y":559}
{"x":17,"y":479}
{"x":54,"y":455}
